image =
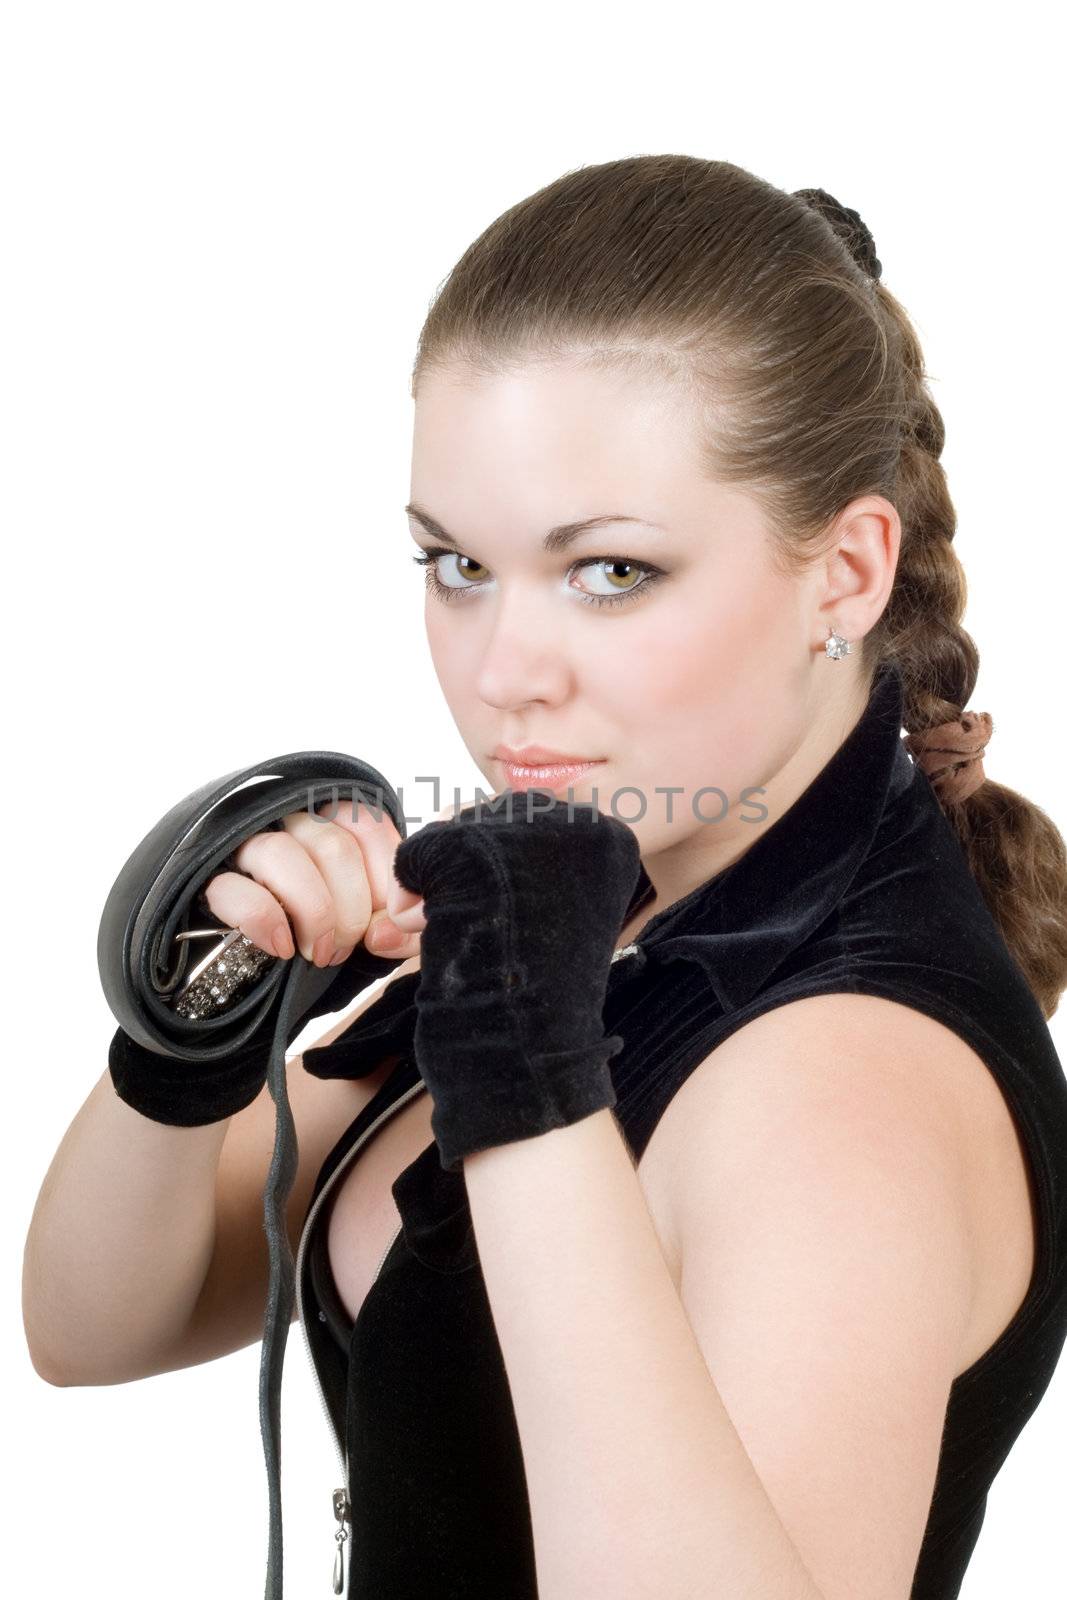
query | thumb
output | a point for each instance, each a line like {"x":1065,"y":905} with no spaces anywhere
{"x":404,"y":918}
{"x":386,"y":937}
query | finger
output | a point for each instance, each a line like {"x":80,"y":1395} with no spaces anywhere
{"x":379,"y":841}
{"x":240,"y":902}
{"x":279,"y":862}
{"x":336,"y":853}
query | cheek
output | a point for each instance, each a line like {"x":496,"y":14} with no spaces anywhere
{"x":451,"y":647}
{"x":724,"y":642}
{"x":694,"y":673}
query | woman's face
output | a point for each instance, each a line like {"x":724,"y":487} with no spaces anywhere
{"x":697,"y":668}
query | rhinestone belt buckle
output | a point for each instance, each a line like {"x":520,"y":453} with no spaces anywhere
{"x":225,"y":974}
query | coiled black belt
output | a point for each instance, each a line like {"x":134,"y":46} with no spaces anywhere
{"x":142,"y":963}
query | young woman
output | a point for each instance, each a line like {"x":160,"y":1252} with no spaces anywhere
{"x":760,"y":1304}
{"x":676,"y":483}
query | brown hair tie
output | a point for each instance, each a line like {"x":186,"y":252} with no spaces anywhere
{"x":951,"y":754}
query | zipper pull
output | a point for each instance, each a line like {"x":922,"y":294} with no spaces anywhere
{"x":341,"y":1510}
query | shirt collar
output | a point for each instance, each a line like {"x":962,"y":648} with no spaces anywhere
{"x":742,"y":923}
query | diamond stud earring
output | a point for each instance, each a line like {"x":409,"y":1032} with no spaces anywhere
{"x":836,"y":647}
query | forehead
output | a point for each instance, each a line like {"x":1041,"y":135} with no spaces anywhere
{"x":554,"y":412}
{"x":553,"y":441}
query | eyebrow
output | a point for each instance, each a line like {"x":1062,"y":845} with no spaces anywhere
{"x":555,"y":539}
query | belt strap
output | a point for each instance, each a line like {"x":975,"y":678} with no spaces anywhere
{"x":141,"y":965}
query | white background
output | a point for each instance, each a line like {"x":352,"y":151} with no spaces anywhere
{"x":223,"y":224}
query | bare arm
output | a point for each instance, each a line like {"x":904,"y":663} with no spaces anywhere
{"x":146,"y":1251}
{"x":119,"y":1241}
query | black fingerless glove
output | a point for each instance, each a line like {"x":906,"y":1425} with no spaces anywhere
{"x":524,"y":904}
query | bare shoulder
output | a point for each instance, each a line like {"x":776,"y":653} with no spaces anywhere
{"x":818,"y":1170}
{"x":832,"y":1069}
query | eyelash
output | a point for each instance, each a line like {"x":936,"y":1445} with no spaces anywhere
{"x":442,"y":591}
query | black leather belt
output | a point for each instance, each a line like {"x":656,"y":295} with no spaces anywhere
{"x":143,"y":962}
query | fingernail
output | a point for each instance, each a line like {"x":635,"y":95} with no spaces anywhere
{"x":385,"y":937}
{"x":341,"y":956}
{"x":283,"y":944}
{"x":322,"y":949}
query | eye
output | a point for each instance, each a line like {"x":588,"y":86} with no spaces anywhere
{"x":626,"y":586}
{"x":625,"y":578}
{"x":436,"y":554}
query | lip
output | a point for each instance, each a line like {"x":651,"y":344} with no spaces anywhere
{"x":539,"y":755}
{"x":551,"y":775}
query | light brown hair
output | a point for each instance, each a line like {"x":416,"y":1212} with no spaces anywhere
{"x":810,"y":390}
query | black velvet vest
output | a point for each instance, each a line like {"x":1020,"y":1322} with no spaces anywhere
{"x":860,"y":887}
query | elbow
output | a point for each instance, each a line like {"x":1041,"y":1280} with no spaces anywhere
{"x":48,"y":1373}
{"x":49,"y":1370}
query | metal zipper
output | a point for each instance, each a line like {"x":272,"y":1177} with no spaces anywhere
{"x":342,"y":1509}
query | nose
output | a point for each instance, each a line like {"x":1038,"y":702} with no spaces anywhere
{"x":523,"y":659}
